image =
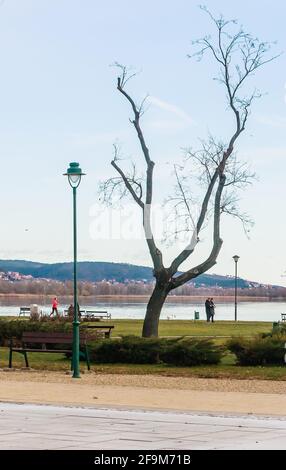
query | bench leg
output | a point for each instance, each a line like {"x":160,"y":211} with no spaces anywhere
{"x":87,"y":357}
{"x":26,"y":359}
{"x":10,"y":358}
{"x":72,"y":359}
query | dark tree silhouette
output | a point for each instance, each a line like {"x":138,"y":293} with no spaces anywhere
{"x":238,"y":55}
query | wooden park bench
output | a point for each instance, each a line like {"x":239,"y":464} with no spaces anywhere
{"x":42,"y":343}
{"x":101,"y":315}
{"x":92,"y":314}
{"x":101,"y":331}
{"x":24,"y":310}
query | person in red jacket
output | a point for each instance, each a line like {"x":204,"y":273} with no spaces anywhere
{"x":55,"y":305}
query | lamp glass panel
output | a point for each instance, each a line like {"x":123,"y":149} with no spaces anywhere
{"x":74,"y":179}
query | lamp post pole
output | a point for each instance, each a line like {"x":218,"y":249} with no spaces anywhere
{"x":236,"y":258}
{"x":74,"y":175}
{"x":75,"y":358}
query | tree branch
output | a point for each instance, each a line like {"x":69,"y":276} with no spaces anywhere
{"x":217,"y":244}
{"x":128,"y":185}
{"x":154,"y":251}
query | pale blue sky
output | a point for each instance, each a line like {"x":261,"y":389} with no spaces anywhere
{"x":58,"y":103}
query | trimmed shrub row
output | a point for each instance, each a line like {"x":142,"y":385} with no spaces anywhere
{"x":129,"y":349}
{"x":259,"y":351}
{"x":15,"y":328}
{"x":135,"y":350}
{"x":192,"y":352}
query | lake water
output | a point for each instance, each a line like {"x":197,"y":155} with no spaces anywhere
{"x":178,"y":310}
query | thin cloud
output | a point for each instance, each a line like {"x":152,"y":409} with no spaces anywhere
{"x":265,"y":156}
{"x":272,"y":121}
{"x":168,"y":125}
{"x":92,"y":140}
{"x":173,"y":109}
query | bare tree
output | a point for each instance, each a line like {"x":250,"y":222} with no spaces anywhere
{"x":238,"y":55}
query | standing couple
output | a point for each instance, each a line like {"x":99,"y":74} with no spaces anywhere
{"x":210,"y":309}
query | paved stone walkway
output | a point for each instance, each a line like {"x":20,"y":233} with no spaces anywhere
{"x":49,"y":427}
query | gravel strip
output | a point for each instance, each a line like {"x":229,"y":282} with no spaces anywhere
{"x":148,"y":381}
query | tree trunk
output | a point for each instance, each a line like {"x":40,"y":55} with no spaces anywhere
{"x":154,"y":307}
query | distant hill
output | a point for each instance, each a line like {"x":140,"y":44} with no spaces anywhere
{"x":97,"y":271}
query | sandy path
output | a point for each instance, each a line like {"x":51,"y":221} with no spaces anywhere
{"x":192,"y":394}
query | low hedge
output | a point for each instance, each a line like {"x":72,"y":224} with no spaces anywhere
{"x":278,"y":329}
{"x":260,"y":350}
{"x":135,"y":350}
{"x":15,"y":328}
{"x":192,"y":352}
{"x":129,"y":349}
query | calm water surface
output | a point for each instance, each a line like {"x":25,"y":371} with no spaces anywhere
{"x":179,"y":310}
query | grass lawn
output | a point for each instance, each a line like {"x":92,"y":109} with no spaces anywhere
{"x":192,"y":328}
{"x":227,"y":369}
{"x":218,"y":330}
{"x":183,"y":327}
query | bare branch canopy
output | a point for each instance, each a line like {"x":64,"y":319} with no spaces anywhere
{"x":238,"y":56}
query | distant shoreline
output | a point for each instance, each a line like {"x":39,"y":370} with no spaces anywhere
{"x":145,"y":298}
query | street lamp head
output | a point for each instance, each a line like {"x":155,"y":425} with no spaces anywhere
{"x":236,"y":258}
{"x":74,"y":174}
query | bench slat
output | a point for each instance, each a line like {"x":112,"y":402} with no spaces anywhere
{"x":56,"y":338}
{"x":99,"y":327}
{"x":50,"y":340}
{"x":96,"y":311}
{"x":42,"y":350}
{"x":47,"y":341}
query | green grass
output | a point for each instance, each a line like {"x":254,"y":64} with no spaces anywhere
{"x":227,"y":369}
{"x":39,"y":361}
{"x":57,"y":362}
{"x":192,"y":328}
{"x":184,"y":327}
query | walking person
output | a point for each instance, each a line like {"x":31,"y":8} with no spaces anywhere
{"x":208,"y":309}
{"x":71,"y":312}
{"x":212,"y":310}
{"x":55,"y":305}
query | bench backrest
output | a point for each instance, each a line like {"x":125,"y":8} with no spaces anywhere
{"x":97,"y":311}
{"x":50,"y":337}
{"x":99,"y":327}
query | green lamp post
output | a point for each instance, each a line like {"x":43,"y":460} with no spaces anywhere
{"x":74,"y":174}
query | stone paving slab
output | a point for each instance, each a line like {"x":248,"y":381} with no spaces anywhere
{"x":56,"y":427}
